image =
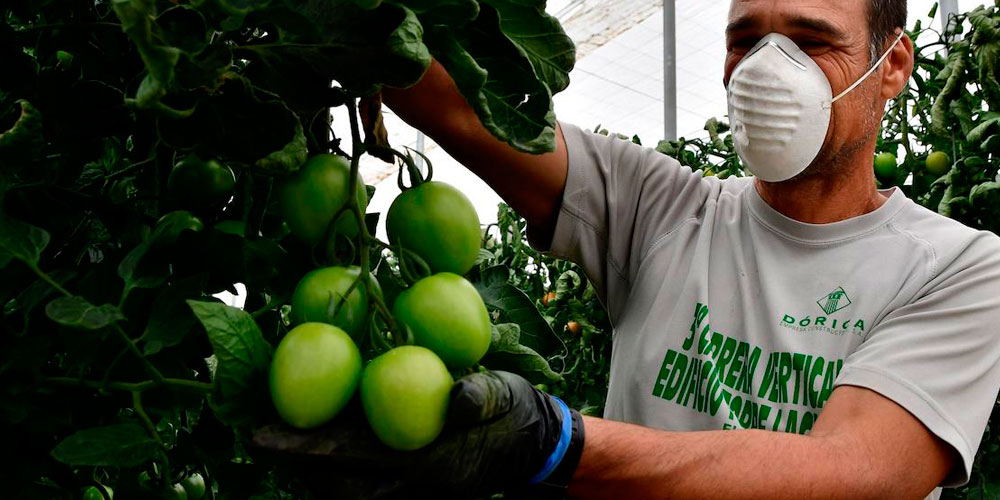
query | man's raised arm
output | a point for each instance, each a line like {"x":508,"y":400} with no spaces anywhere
{"x":532,"y":184}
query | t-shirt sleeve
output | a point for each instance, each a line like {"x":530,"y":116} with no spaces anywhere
{"x":619,"y":197}
{"x":939,"y":356}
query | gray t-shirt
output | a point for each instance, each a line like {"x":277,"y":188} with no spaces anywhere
{"x":729,"y":315}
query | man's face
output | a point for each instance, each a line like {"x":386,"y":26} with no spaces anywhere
{"x":835,"y":34}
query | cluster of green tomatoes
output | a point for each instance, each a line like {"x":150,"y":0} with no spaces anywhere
{"x":317,"y":367}
{"x":886,"y":165}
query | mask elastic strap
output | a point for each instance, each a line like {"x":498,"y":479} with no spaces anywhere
{"x":870,"y":71}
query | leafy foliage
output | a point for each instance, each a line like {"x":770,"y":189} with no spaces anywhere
{"x":116,"y":359}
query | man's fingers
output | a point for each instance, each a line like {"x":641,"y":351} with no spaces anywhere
{"x":478,"y":398}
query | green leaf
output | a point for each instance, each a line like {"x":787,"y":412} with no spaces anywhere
{"x":238,"y":122}
{"x":986,"y":122}
{"x":448,"y":12}
{"x":121,"y":445}
{"x":183,"y":27}
{"x":170,"y":318}
{"x":344,"y":43}
{"x":20,"y":240}
{"x":137,"y":17}
{"x":142,"y":267}
{"x":985,"y":194}
{"x":498,"y":80}
{"x":514,"y":306}
{"x":540,"y":37}
{"x":243,"y":358}
{"x":507,"y":353}
{"x":77,"y":312}
{"x":22,"y":143}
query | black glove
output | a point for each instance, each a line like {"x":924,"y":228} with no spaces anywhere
{"x":501,"y":434}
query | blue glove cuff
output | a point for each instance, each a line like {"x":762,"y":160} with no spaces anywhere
{"x":564,"y":439}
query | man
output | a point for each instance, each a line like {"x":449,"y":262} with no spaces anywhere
{"x":859,"y":325}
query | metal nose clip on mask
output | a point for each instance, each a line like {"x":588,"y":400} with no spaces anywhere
{"x":779,"y":107}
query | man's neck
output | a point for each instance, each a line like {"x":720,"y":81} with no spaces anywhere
{"x":822,"y":199}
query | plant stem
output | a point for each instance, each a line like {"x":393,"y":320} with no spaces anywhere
{"x":141,"y":412}
{"x":129,"y":344}
{"x":153,"y":372}
{"x":132,"y":386}
{"x":48,"y":279}
{"x":366,"y":238}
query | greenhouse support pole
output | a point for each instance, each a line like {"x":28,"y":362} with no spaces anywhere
{"x":669,"y":70}
{"x":946,"y":9}
{"x":420,"y":148}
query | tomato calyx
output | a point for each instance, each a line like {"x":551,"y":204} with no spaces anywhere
{"x":412,"y":169}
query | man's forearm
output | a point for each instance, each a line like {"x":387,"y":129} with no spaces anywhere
{"x":628,"y":461}
{"x":530,"y":183}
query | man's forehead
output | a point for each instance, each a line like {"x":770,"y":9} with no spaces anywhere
{"x":812,"y":15}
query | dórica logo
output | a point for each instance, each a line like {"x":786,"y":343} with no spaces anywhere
{"x":834,"y":301}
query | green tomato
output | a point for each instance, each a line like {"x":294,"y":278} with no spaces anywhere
{"x":92,"y":493}
{"x":314,"y":373}
{"x":439,"y":224}
{"x":145,"y":482}
{"x":194,"y":485}
{"x":311,"y":197}
{"x":405,"y":394}
{"x":322,"y":290}
{"x":199,"y":182}
{"x":64,"y":58}
{"x":938,"y":163}
{"x":885,"y":166}
{"x":446,"y":314}
{"x":175,"y":492}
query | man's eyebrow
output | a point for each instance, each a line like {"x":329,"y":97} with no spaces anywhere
{"x":741,"y":24}
{"x":817,"y":25}
{"x":813,"y":24}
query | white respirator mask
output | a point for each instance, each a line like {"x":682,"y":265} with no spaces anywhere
{"x":779,"y":107}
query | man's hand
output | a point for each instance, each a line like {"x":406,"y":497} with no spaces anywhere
{"x":501,"y":434}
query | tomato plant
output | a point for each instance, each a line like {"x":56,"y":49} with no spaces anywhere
{"x":322,"y":295}
{"x":92,"y":493}
{"x":405,"y":395}
{"x":439,"y":224}
{"x":156,"y":154}
{"x":885,"y":166}
{"x":314,"y":373}
{"x":200,"y":182}
{"x":445,"y":314}
{"x":316,"y":194}
{"x":938,"y":163}
{"x":194,"y":486}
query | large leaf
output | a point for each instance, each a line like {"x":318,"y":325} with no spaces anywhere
{"x":497,"y":78}
{"x":138,"y":22}
{"x":358,"y":48}
{"x":122,"y":445}
{"x":20,"y":240}
{"x":22,"y":143}
{"x":236,"y":122}
{"x":142,"y":267}
{"x":515,"y":306}
{"x":507,"y":353}
{"x":77,"y":312}
{"x":170,"y":318}
{"x":242,"y":358}
{"x":540,"y":37}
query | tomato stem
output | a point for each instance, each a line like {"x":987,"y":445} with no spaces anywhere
{"x":132,"y":386}
{"x":148,"y":423}
{"x":365,"y":237}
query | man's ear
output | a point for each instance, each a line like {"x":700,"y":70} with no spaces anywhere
{"x":897,"y":68}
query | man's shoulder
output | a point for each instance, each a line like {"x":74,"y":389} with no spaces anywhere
{"x":949,"y":239}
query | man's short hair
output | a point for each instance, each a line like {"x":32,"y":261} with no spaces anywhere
{"x":884,"y":16}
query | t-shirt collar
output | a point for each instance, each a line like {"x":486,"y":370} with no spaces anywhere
{"x":823,"y":233}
